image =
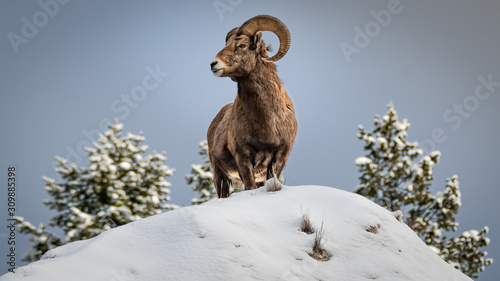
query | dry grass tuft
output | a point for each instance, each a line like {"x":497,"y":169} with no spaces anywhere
{"x":318,"y":253}
{"x":305,"y":224}
{"x":373,"y":228}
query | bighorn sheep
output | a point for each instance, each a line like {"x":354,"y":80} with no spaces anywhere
{"x":249,"y":140}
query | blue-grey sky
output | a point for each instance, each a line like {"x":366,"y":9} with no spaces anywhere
{"x":67,"y":67}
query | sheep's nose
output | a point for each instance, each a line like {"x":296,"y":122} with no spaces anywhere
{"x":217,"y":67}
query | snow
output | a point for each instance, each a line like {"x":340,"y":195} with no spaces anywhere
{"x":363,"y":160}
{"x":125,"y":165}
{"x":435,"y":153}
{"x":381,"y":142}
{"x":402,"y":126}
{"x":252,"y":235}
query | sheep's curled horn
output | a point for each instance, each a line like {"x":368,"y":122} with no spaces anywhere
{"x":265,"y":23}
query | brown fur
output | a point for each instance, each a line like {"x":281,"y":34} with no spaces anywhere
{"x":249,"y":140}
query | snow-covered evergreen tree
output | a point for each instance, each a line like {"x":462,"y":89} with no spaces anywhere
{"x":201,"y":178}
{"x":120,"y":185}
{"x":396,"y":175}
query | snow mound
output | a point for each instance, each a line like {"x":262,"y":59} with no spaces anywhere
{"x":252,"y":235}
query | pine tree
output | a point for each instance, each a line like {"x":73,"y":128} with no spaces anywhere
{"x":395,"y":174}
{"x":119,"y":186}
{"x":201,"y":178}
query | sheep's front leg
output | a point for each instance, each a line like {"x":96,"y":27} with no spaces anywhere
{"x":245,"y":169}
{"x":221,"y":182}
{"x":271,"y":170}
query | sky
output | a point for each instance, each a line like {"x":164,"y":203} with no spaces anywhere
{"x":69,"y":67}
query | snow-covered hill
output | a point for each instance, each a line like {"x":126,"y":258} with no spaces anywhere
{"x":253,"y":235}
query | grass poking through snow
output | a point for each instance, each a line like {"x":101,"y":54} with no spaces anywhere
{"x":318,"y":253}
{"x":305,"y":224}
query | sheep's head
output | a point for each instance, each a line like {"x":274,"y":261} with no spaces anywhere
{"x":244,"y":47}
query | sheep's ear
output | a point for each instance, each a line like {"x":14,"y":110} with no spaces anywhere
{"x":257,"y":39}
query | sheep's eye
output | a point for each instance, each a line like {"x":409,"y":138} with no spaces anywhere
{"x":242,"y":46}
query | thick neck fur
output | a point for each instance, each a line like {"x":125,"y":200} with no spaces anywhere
{"x":261,"y":90}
